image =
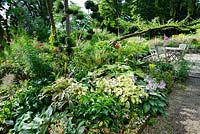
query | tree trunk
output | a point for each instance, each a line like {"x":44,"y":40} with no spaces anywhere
{"x":53,"y":27}
{"x":67,"y":17}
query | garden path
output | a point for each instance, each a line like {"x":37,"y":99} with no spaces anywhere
{"x":184,"y":106}
{"x":194,"y":60}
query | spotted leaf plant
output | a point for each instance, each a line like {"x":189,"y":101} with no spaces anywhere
{"x":123,"y":86}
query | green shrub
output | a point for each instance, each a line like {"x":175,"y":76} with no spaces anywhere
{"x":104,"y":111}
{"x":25,"y":53}
{"x":89,"y":56}
{"x":162,"y":71}
{"x":133,"y":49}
{"x":155,"y":104}
{"x":123,"y":87}
{"x":182,"y":70}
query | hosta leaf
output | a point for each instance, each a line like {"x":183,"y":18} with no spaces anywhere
{"x":153,"y":103}
{"x":9,"y":122}
{"x":127,"y":105}
{"x":146,"y":107}
{"x":123,"y":99}
{"x":32,"y":125}
{"x":26,"y":132}
{"x":26,"y":127}
{"x":38,"y":120}
{"x":81,"y":130}
{"x":133,"y":100}
{"x":161,"y":104}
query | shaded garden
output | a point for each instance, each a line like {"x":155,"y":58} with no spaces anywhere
{"x":68,"y":72}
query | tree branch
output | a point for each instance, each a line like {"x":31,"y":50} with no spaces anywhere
{"x":143,"y":32}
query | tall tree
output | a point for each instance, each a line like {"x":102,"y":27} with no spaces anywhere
{"x":111,"y":10}
{"x":165,"y":10}
{"x":30,"y":15}
{"x":53,"y":27}
{"x":67,"y":17}
{"x":4,"y":31}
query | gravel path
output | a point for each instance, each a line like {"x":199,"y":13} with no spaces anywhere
{"x":183,"y":111}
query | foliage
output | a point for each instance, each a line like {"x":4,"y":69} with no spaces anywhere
{"x":24,"y":52}
{"x":156,"y":103}
{"x":29,"y":59}
{"x":104,"y":111}
{"x":191,"y":40}
{"x":162,"y":71}
{"x":30,"y":15}
{"x":123,"y":87}
{"x":83,"y":84}
{"x":110,"y":10}
{"x":90,"y":56}
{"x":170,"y":9}
{"x":95,"y":54}
{"x":6,"y":114}
{"x":63,"y":93}
{"x":64,"y":125}
{"x":182,"y":71}
{"x":133,"y":49}
{"x":36,"y":125}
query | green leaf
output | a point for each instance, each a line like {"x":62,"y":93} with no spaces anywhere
{"x":133,"y":100}
{"x":151,"y":121}
{"x":127,"y":105}
{"x":139,"y":73}
{"x":49,"y":111}
{"x":152,"y":102}
{"x":154,"y":110}
{"x":161,"y":104}
{"x":146,"y":107}
{"x":26,"y":132}
{"x":81,"y":130}
{"x":9,"y":122}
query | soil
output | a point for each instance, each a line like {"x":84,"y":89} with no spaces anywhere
{"x":183,"y":111}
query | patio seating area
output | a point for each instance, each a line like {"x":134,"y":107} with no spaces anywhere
{"x":167,"y":54}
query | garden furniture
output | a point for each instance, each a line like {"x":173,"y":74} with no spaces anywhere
{"x":174,"y":54}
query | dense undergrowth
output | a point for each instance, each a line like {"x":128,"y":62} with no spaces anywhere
{"x":97,"y":89}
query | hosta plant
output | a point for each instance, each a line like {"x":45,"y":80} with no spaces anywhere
{"x":156,"y":103}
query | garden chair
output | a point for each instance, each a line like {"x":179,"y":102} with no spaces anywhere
{"x":184,"y":48}
{"x":161,"y":53}
{"x":153,"y":54}
{"x":158,"y":53}
{"x":176,"y":54}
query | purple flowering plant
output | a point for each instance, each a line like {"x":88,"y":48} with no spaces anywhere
{"x":152,"y":84}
